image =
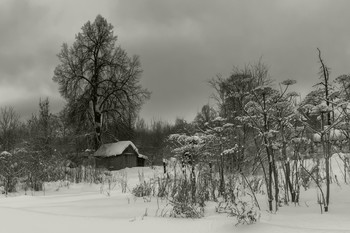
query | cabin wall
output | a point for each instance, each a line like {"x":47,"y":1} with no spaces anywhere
{"x":116,"y":163}
{"x":119,"y":162}
{"x":140,"y":162}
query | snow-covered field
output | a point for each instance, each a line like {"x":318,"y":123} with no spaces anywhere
{"x":88,"y":208}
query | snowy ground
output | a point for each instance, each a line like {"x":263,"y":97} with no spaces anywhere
{"x":83,"y":208}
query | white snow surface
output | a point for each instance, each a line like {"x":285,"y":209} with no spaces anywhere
{"x":88,"y":208}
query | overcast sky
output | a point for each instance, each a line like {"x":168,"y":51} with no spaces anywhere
{"x":182,"y":44}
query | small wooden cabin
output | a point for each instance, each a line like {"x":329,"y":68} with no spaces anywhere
{"x":119,"y":155}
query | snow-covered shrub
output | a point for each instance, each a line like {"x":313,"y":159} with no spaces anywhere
{"x":239,"y":203}
{"x":93,"y":175}
{"x":109,"y":182}
{"x":183,"y":203}
{"x":10,"y":170}
{"x":163,"y":186}
{"x":87,"y":174}
{"x":245,"y":212}
{"x":122,"y":179}
{"x":207,"y":184}
{"x":183,"y":210}
{"x":142,"y":190}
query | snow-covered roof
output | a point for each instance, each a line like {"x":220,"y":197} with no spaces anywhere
{"x":113,"y":149}
{"x":143,"y":156}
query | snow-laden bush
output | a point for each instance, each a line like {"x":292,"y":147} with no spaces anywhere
{"x":109,"y":183}
{"x":163,"y":185}
{"x":239,"y":203}
{"x":10,"y":170}
{"x":245,"y":212}
{"x":142,"y":190}
{"x":183,"y":202}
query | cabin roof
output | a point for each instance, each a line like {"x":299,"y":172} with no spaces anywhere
{"x":114,"y":149}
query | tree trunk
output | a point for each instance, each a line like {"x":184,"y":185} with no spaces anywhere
{"x":275,"y":177}
{"x":265,"y":176}
{"x":222,"y":177}
{"x":326,"y":145}
{"x":98,"y":124}
{"x":193,"y":183}
{"x":294,"y":194}
{"x":222,"y":180}
{"x":288,"y":182}
{"x":345,"y":169}
{"x":269,"y":190}
{"x":327,"y":177}
{"x":269,"y":185}
{"x":287,"y":170}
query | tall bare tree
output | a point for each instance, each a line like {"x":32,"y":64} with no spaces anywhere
{"x":97,"y":77}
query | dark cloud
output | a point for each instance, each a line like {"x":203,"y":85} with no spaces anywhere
{"x":24,"y":45}
{"x":27,"y":56}
{"x":182,"y":44}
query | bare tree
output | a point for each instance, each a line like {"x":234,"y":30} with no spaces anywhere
{"x":97,"y":77}
{"x":324,"y":75}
